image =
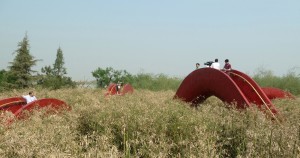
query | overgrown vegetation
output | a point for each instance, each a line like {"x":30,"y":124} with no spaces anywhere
{"x":155,"y":82}
{"x":149,"y":124}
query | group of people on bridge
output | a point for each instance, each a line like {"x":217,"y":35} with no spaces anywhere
{"x":216,"y":65}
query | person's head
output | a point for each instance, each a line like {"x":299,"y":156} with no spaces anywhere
{"x":119,"y":83}
{"x":216,"y":60}
{"x":226,"y":61}
{"x":197,"y":65}
{"x":31,"y":93}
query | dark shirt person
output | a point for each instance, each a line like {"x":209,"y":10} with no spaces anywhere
{"x":227,"y":66}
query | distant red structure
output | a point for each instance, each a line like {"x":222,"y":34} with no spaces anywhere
{"x":112,"y":89}
{"x":233,"y":87}
{"x":276,"y":93}
{"x":18,"y":105}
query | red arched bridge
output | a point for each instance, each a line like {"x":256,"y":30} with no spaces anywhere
{"x":112,"y":89}
{"x":17,"y":105}
{"x":232,"y":87}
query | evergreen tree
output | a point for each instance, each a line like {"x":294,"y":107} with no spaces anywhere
{"x":47,"y":70}
{"x":2,"y":79}
{"x":54,"y":77}
{"x":20,"y":68}
{"x":58,"y":66}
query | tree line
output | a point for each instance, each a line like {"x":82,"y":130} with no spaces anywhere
{"x":21,"y":75}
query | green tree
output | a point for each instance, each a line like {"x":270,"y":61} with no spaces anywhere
{"x":47,"y":70}
{"x":2,"y":79}
{"x":2,"y":73}
{"x":58,"y":66}
{"x":21,"y":67}
{"x":55,"y":77}
{"x":108,"y":75}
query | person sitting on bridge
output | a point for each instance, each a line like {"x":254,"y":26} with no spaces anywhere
{"x":197,"y":66}
{"x":30,"y":97}
{"x":216,"y":64}
{"x":227,"y":66}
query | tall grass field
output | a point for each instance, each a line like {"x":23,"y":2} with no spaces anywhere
{"x":148,"y":124}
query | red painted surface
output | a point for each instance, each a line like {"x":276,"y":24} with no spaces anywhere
{"x":51,"y":103}
{"x":12,"y":104}
{"x":17,"y":106}
{"x":126,"y":89}
{"x":111,"y":89}
{"x":276,"y":93}
{"x":205,"y":82}
{"x":231,"y":87}
{"x":252,"y":90}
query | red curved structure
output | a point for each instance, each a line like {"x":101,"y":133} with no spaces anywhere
{"x":51,"y":103}
{"x":17,"y":105}
{"x":12,"y":104}
{"x":276,"y":93}
{"x":127,"y":88}
{"x":233,"y":87}
{"x":112,"y":90}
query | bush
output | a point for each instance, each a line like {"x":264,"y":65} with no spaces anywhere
{"x":56,"y":82}
{"x":155,"y":82}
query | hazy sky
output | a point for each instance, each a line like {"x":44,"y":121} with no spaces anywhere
{"x":154,"y":36}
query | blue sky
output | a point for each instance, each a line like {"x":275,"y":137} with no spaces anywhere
{"x":165,"y":36}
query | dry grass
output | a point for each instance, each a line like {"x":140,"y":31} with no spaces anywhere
{"x":149,"y":124}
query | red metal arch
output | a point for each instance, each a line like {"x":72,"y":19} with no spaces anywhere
{"x":18,"y":105}
{"x":127,"y":88}
{"x":12,"y":104}
{"x":276,"y":93}
{"x":111,"y":89}
{"x":233,"y":87}
{"x":252,"y":91}
{"x":51,"y":103}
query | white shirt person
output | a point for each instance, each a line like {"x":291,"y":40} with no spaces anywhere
{"x":30,"y":97}
{"x":215,"y":65}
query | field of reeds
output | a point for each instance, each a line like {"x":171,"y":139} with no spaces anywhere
{"x":149,"y":124}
